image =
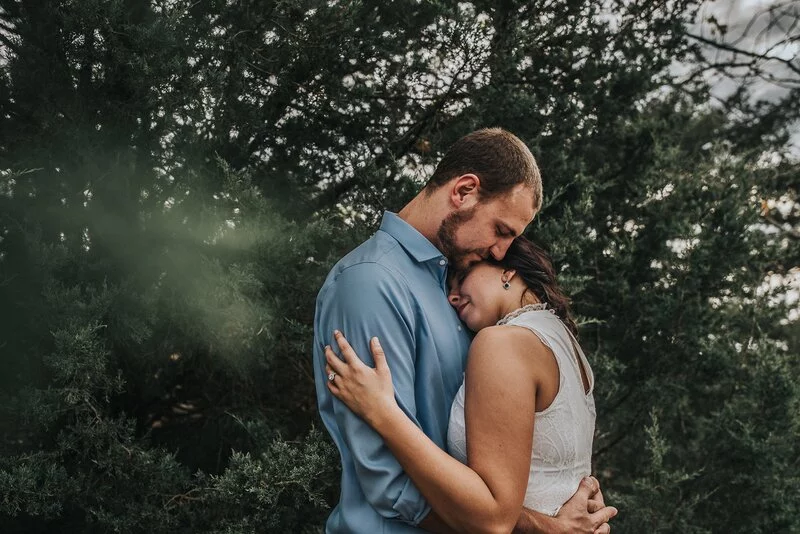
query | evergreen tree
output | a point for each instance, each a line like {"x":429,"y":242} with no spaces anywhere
{"x":177,"y":177}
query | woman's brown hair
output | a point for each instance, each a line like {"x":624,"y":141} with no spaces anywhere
{"x":533,"y":264}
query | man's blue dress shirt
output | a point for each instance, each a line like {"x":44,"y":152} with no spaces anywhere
{"x":392,"y":286}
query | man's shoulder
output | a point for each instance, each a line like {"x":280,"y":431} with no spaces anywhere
{"x":368,"y":277}
{"x":378,"y":258}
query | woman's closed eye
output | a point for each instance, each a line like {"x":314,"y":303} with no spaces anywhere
{"x":456,"y":279}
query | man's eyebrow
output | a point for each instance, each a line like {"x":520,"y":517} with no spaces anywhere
{"x":508,"y":229}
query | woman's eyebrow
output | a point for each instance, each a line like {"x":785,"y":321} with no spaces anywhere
{"x":453,"y":276}
{"x":461,"y":274}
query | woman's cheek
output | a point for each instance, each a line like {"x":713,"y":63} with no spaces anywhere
{"x":475,"y":319}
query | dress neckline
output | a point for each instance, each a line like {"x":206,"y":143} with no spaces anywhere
{"x":539,"y":306}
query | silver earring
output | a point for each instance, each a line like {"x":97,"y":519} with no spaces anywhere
{"x":506,"y":285}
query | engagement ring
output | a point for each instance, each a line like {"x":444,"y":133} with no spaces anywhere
{"x":331,"y":377}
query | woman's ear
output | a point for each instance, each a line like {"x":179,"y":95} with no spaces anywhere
{"x":508,"y":274}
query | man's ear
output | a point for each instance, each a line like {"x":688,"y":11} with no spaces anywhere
{"x":464,"y":191}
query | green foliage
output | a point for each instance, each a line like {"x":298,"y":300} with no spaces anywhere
{"x":277,"y":491}
{"x":176,"y":179}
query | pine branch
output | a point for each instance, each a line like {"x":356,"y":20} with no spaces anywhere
{"x":791,"y":232}
{"x":10,"y":44}
{"x":729,"y":48}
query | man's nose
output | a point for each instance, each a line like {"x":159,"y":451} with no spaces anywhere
{"x":498,"y":251}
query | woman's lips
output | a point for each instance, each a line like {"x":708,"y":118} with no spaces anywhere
{"x":461,"y":308}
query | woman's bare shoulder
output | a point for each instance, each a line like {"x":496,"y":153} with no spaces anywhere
{"x":507,"y":343}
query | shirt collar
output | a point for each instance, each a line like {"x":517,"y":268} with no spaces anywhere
{"x":416,"y":244}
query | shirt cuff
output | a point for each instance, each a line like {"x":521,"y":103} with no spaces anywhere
{"x":411,"y":505}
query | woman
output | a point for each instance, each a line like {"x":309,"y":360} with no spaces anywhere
{"x":525,"y":369}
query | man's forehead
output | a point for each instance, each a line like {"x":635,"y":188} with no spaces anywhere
{"x":516,"y":221}
{"x":517,"y":205}
{"x":516,"y":217}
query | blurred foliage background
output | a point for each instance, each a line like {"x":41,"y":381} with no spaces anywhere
{"x":177,"y":177}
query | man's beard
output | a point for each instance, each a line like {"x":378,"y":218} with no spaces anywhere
{"x":447,"y":238}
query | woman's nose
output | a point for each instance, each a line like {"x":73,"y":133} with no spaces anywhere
{"x":453,"y":298}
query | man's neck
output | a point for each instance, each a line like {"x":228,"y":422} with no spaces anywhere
{"x":421,"y":213}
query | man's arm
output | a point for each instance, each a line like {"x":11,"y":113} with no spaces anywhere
{"x":532,"y":522}
{"x":367,"y":300}
{"x":570,"y":518}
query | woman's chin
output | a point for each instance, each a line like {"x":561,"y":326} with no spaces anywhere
{"x":475,"y":319}
{"x":467,"y":320}
{"x":476,"y":324}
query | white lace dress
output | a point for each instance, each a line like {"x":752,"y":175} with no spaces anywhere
{"x":562,"y":437}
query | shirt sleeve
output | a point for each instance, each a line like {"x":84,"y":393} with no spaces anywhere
{"x":368,"y":300}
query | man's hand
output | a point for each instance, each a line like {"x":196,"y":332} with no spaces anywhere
{"x":596,"y":502}
{"x":586,"y":511}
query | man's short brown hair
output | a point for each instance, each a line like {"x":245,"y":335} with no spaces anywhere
{"x":498,"y":158}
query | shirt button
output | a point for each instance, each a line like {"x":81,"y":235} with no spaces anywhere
{"x":443,"y":262}
{"x":459,"y":328}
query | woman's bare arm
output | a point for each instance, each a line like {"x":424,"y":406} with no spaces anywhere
{"x":489,"y":497}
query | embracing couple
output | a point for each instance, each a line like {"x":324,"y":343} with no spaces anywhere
{"x":446,"y":364}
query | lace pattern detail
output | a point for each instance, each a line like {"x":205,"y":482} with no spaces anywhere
{"x":539,"y":306}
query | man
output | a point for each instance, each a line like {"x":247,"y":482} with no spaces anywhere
{"x":484,"y":192}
